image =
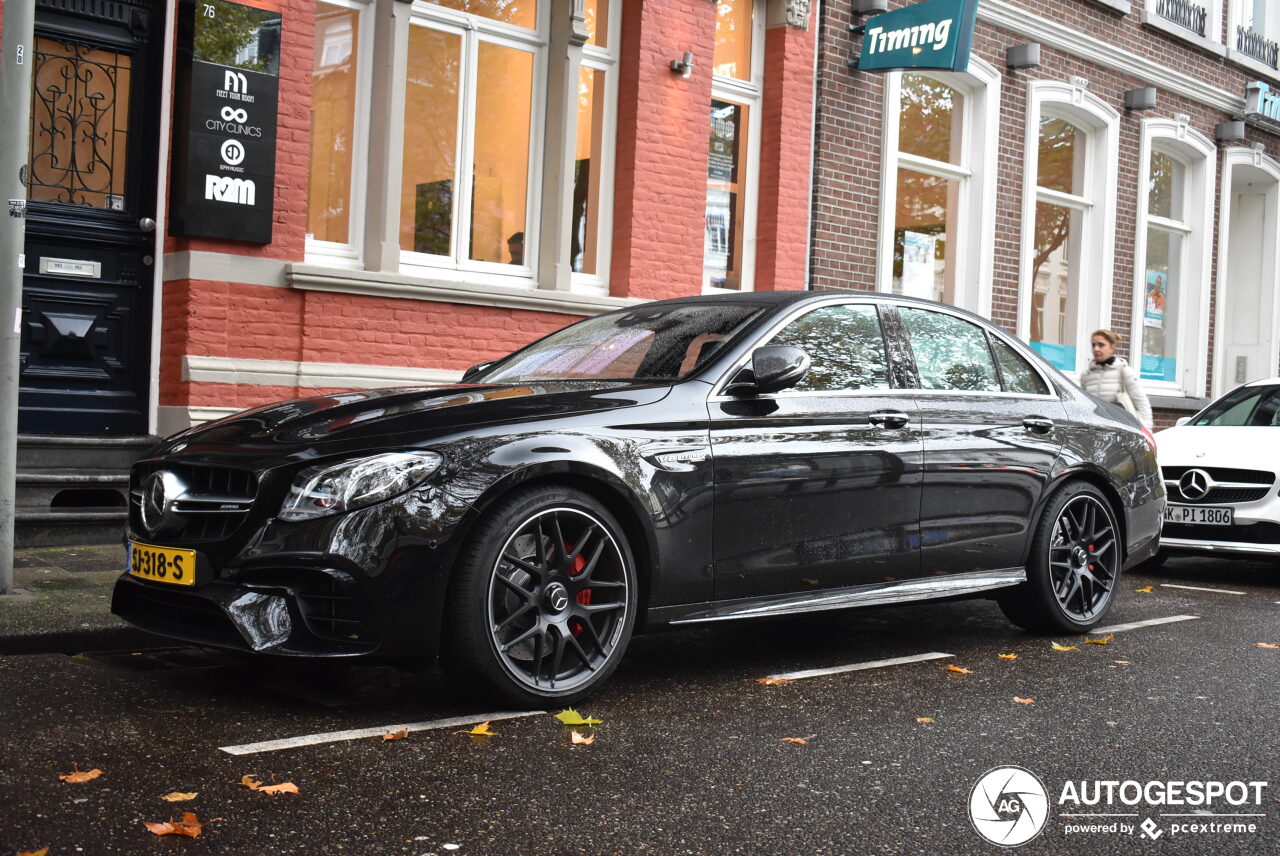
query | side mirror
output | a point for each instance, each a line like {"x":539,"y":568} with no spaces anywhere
{"x":773,"y":368}
{"x":1182,"y":420}
{"x":471,"y":373}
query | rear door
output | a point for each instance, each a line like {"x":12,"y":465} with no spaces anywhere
{"x":992,"y":429}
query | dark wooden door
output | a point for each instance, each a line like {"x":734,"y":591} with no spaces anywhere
{"x":91,"y":240}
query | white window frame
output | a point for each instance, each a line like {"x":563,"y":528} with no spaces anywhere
{"x":1198,"y":157}
{"x":1240,"y":14}
{"x":1213,"y":27}
{"x":475,"y":30}
{"x":603,"y":59}
{"x":350,"y":254}
{"x":748,"y":94}
{"x":1099,"y":123}
{"x":973,"y":247}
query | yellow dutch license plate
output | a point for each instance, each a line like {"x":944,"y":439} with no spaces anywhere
{"x":162,"y":564}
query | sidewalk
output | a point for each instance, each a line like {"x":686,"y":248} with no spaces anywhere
{"x":62,"y":602}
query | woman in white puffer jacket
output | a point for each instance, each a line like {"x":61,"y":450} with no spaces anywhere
{"x":1109,"y":375}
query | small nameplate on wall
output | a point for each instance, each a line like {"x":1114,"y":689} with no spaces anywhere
{"x":71,"y":267}
{"x":1242,"y":369}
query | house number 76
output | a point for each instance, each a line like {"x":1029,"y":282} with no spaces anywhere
{"x":208,"y":10}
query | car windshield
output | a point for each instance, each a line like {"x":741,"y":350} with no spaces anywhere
{"x":646,"y":343}
{"x":1248,"y":405}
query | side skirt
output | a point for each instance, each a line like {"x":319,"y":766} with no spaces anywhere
{"x":874,"y":594}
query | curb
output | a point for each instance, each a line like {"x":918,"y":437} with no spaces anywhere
{"x":78,"y":641}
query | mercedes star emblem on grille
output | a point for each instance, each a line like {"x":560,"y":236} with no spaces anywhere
{"x":160,"y":492}
{"x":1195,"y":484}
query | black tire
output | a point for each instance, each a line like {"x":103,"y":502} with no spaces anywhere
{"x":1073,"y":567}
{"x":543,"y":599}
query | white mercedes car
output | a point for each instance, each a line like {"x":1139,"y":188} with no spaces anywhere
{"x":1220,"y":469}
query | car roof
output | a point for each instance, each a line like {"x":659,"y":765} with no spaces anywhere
{"x":1267,"y":381}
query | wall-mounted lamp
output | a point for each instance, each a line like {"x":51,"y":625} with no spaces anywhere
{"x":1023,"y":56}
{"x":1229,"y":132}
{"x":869,"y":7}
{"x":1140,"y":99}
{"x":684,"y":65}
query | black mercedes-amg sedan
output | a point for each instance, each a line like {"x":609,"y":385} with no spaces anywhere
{"x":692,"y":460}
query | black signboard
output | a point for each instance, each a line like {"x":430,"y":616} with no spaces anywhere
{"x":224,"y":143}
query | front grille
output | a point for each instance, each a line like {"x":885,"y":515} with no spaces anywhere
{"x":216,"y":502}
{"x":1223,"y":474}
{"x":1221,"y":495}
{"x":1254,"y":533}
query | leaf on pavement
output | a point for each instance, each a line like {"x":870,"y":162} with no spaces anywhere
{"x":1007,"y":656}
{"x":1101,"y":640}
{"x":396,"y":735}
{"x":1268,"y":645}
{"x":1060,"y":647}
{"x":799,"y":740}
{"x":189,"y":826}
{"x":811,"y":582}
{"x":959,"y":669}
{"x":1144,"y":590}
{"x":179,"y":796}
{"x":251,"y":783}
{"x":1024,"y":700}
{"x":43,"y":851}
{"x":924,"y":719}
{"x":1121,"y":662}
{"x":577,"y":739}
{"x":572,"y":717}
{"x":481,"y":730}
{"x":282,"y":788}
{"x":773,"y":681}
{"x":76,"y":776}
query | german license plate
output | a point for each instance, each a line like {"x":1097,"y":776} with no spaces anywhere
{"x":1196,"y":515}
{"x":162,"y":564}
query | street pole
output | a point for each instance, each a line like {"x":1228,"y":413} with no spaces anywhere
{"x":15,"y":123}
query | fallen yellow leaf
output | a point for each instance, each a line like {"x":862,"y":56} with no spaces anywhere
{"x":251,"y":783}
{"x":1007,"y":656}
{"x":572,"y":717}
{"x":1144,"y":590}
{"x":282,"y":788}
{"x":41,"y":852}
{"x":924,"y":719}
{"x":1101,"y":640}
{"x":577,"y":739}
{"x":773,"y":681}
{"x":1268,"y":645}
{"x":76,"y":776}
{"x":959,"y":669}
{"x":1024,"y":700}
{"x":481,"y":730}
{"x":189,"y":826}
{"x":179,"y":796}
{"x":1121,"y":662}
{"x":1058,"y":647}
{"x":396,"y":735}
{"x":800,"y":740}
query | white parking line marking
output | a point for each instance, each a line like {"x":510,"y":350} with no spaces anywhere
{"x":858,"y":667}
{"x":1150,"y":622}
{"x":361,"y":733}
{"x":1200,"y":588}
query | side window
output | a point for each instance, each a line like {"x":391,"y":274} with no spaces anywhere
{"x":951,"y":353}
{"x":1018,"y":374}
{"x":845,"y":345}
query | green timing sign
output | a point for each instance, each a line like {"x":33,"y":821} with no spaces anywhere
{"x":933,"y":34}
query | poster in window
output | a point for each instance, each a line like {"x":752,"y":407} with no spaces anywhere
{"x":1157,"y":294}
{"x":917,"y":264}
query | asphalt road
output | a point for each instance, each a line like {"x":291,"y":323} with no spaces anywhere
{"x":690,"y":756}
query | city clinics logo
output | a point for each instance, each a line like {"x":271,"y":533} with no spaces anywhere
{"x":1008,"y":806}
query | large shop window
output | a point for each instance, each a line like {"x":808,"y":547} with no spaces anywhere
{"x":1068,"y":223}
{"x":938,"y":193}
{"x":1173,"y":259}
{"x":733,"y":151}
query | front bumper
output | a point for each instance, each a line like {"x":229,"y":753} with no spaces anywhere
{"x":1257,"y":538}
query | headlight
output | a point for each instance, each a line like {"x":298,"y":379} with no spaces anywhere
{"x":334,"y":488}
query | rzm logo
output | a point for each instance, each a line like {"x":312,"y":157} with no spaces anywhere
{"x":239,"y":191}
{"x":234,"y":81}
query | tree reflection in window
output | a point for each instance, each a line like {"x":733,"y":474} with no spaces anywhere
{"x":845,"y":345}
{"x":951,"y":353}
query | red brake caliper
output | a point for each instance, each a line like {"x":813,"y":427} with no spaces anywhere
{"x":584,"y":596}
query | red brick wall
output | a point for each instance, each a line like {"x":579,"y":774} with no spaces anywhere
{"x":782,"y":226}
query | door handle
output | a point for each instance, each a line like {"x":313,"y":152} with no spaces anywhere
{"x":1037,"y":424}
{"x":888,"y":419}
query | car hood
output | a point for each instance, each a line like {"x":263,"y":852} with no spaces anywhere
{"x":1237,"y":447}
{"x":372,"y":418}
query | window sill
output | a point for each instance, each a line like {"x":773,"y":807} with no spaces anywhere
{"x":1155,"y":22}
{"x":375,"y":284}
{"x":1168,"y":402}
{"x":1245,"y":61}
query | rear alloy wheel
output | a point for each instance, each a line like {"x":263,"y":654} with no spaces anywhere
{"x":1074,"y":565}
{"x":545,"y":598}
